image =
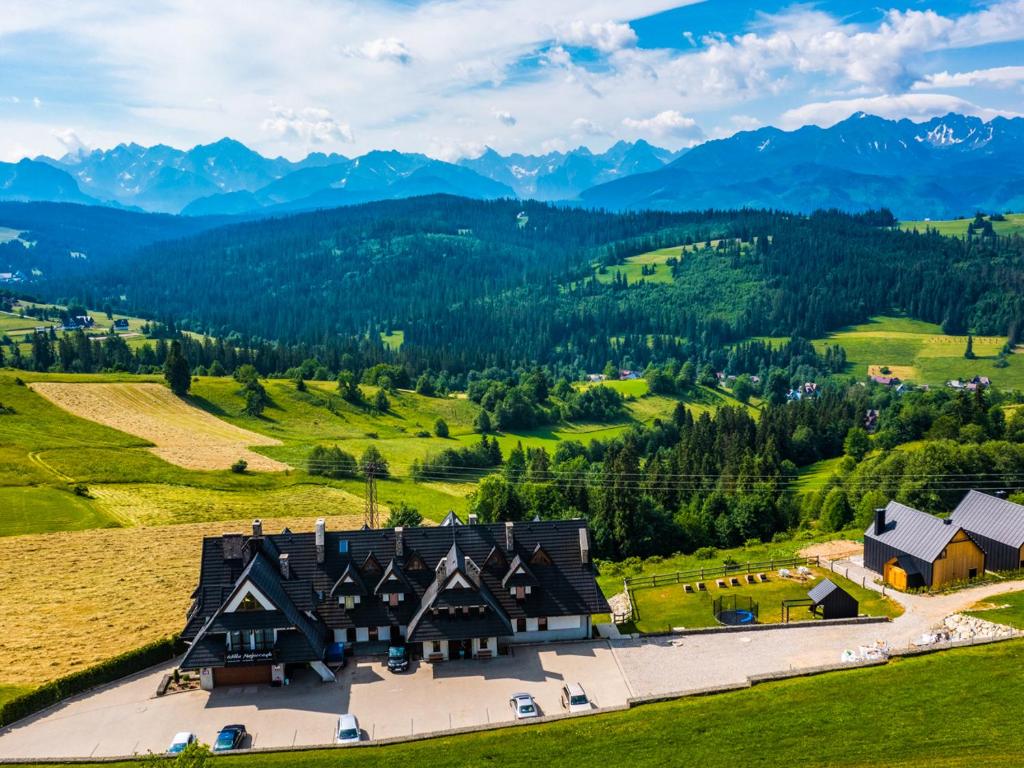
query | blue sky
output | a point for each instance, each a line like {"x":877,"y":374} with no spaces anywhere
{"x":448,"y":77}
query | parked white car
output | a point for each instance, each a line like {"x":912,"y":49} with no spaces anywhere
{"x":348,"y":730}
{"x":523,"y":706}
{"x":180,"y":741}
{"x":574,"y":698}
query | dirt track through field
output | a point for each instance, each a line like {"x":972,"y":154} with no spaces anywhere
{"x":181,"y":433}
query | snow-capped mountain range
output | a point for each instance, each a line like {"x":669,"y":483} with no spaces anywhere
{"x":947,"y":166}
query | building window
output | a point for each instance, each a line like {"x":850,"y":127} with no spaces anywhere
{"x":393,"y":599}
{"x":373,"y":634}
{"x":249,"y":603}
{"x":435,"y":646}
{"x":234,"y":641}
{"x":350,"y":602}
{"x":262,"y":639}
{"x":542,"y":623}
{"x":350,"y":634}
{"x":520,"y":625}
{"x":520,"y":593}
{"x":942,"y":555}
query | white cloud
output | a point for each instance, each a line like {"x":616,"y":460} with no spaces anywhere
{"x":997,"y":76}
{"x":386,"y":49}
{"x":312,"y":125}
{"x":582,"y":126}
{"x":915,"y":106}
{"x":607,"y":36}
{"x":37,"y":102}
{"x":670,"y":123}
{"x":74,"y":147}
{"x":10,"y":100}
{"x":504,"y":117}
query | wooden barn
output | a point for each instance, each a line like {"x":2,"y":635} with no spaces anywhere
{"x":832,"y":602}
{"x":912,"y":549}
{"x":997,"y":525}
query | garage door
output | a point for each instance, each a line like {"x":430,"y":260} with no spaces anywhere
{"x":241,"y":675}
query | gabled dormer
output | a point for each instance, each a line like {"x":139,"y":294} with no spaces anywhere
{"x":393,"y":585}
{"x":496,"y":560}
{"x":520,"y":581}
{"x":414,"y":562}
{"x":371,"y":566}
{"x":539,"y":556}
{"x":349,"y":588}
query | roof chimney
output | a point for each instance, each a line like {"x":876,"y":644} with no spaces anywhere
{"x":257,"y":527}
{"x":473,"y":519}
{"x":879,"y":521}
{"x":286,"y":570}
{"x":399,"y":541}
{"x":947,"y":520}
{"x":321,"y":535}
{"x":1000,"y":494}
{"x":232,"y":545}
{"x":510,"y":538}
{"x":584,"y":546}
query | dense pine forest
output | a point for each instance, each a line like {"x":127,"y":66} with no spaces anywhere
{"x":479,"y":284}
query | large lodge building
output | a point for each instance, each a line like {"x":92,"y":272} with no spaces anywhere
{"x":267,"y":601}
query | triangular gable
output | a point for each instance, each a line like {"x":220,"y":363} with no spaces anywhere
{"x":540,"y":556}
{"x":414,"y":562}
{"x":371,"y":565}
{"x":393,"y":581}
{"x":451,"y":519}
{"x":496,"y":559}
{"x":349,"y":583}
{"x":244,"y":595}
{"x":519,"y":575}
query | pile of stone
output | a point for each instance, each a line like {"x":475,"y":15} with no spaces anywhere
{"x":620,"y":604}
{"x":961,"y":627}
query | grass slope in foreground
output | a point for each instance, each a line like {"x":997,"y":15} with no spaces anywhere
{"x":948,"y":709}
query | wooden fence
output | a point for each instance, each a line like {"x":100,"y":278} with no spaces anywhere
{"x":714,"y":572}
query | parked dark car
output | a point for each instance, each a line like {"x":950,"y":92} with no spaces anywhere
{"x":398,"y":658}
{"x":229,"y":737}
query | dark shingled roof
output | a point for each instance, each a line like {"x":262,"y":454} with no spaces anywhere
{"x":823,"y":589}
{"x":917,"y":533}
{"x":991,"y":517}
{"x":309,"y":599}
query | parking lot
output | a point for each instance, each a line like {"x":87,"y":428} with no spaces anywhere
{"x":127,"y":718}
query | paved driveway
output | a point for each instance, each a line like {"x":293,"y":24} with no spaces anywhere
{"x":127,"y":718}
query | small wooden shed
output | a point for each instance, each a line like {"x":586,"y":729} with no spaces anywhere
{"x":833,"y":602}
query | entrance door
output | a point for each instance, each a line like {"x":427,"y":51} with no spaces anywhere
{"x":243,"y":675}
{"x":460,"y":649}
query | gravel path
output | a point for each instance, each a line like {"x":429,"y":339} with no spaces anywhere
{"x":678,"y":664}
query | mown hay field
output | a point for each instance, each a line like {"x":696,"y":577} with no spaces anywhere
{"x":72,"y":599}
{"x":181,"y":433}
{"x":921,"y":353}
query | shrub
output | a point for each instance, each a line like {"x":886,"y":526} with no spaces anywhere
{"x":239,"y":467}
{"x":331,"y":462}
{"x":441,"y":428}
{"x":81,"y":490}
{"x":706,"y":553}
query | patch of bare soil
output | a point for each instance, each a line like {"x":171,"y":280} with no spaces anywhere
{"x":839,"y":549}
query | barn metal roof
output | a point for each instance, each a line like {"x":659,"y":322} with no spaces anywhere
{"x":917,"y":533}
{"x":991,"y":517}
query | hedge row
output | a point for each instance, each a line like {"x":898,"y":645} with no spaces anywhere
{"x":99,"y":674}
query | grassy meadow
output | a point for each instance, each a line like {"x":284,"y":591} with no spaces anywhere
{"x":840,"y":719}
{"x":663,"y":608}
{"x":920,"y":353}
{"x":1002,"y":609}
{"x":633,"y":267}
{"x":1014,"y":225}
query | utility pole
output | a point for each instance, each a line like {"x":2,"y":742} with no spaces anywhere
{"x":370,"y":515}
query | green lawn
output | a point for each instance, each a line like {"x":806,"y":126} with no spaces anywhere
{"x":1002,"y":609}
{"x":919,"y":352}
{"x":664,"y":608}
{"x":860,"y":718}
{"x":41,"y":509}
{"x":1014,"y":225}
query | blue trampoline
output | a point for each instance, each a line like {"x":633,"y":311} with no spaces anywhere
{"x":735,"y":610}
